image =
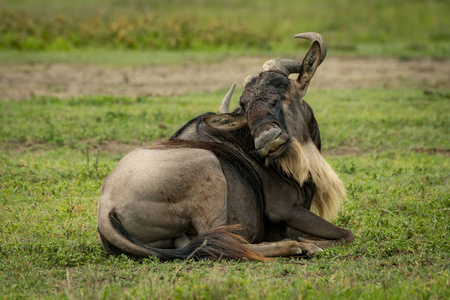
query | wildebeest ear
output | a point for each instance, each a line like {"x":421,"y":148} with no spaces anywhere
{"x":225,"y":121}
{"x":309,"y":66}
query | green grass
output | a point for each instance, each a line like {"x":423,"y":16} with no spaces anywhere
{"x":391,"y":148}
{"x":401,"y":28}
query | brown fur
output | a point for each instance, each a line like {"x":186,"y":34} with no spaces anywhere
{"x":223,"y":242}
{"x":305,"y":160}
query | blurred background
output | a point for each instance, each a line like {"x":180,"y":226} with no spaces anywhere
{"x":401,"y":28}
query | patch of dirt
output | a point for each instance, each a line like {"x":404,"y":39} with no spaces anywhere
{"x":433,"y":151}
{"x":117,"y":148}
{"x":344,"y":151}
{"x":21,"y":81}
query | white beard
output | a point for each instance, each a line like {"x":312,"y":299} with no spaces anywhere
{"x":304,"y":160}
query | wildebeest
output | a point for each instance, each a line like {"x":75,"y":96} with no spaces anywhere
{"x":259,"y":167}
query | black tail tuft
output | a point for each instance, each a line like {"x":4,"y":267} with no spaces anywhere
{"x":217,"y":244}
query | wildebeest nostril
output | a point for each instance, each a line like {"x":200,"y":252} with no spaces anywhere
{"x":266,"y":136}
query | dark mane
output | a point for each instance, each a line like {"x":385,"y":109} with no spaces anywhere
{"x":197,"y":120}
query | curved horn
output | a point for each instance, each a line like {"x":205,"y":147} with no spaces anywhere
{"x":285,"y":66}
{"x":225,"y":106}
{"x":315,"y":37}
{"x":288,"y":66}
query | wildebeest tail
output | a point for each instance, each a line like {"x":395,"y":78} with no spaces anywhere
{"x":217,"y":244}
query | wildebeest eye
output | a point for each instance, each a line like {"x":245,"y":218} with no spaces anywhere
{"x":273,"y":102}
{"x":281,"y":84}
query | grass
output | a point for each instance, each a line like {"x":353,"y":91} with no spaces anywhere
{"x":390,"y":147}
{"x":402,"y":28}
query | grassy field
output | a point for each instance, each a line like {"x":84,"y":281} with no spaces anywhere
{"x":402,"y":28}
{"x":390,"y":147}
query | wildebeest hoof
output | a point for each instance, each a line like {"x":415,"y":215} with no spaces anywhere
{"x":308,"y":249}
{"x":303,"y":249}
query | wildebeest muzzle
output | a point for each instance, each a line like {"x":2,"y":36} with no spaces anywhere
{"x":270,"y":140}
{"x":266,"y":122}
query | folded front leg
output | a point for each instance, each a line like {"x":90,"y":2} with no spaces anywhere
{"x":285,"y":248}
{"x":307,"y":222}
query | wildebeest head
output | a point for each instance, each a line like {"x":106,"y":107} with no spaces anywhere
{"x":271,"y":104}
{"x":284,"y":129}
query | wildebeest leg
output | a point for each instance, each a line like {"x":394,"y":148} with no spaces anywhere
{"x":181,"y":241}
{"x":161,"y":244}
{"x":177,"y":243}
{"x":285,"y":248}
{"x":320,"y":243}
{"x":310,"y":239}
{"x":307,"y":222}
